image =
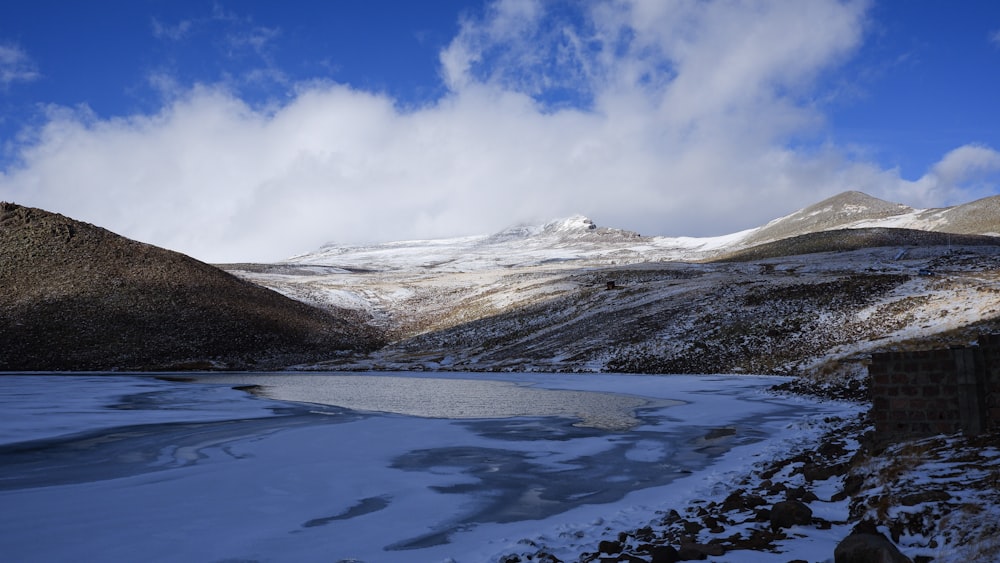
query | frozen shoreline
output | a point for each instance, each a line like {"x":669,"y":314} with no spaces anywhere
{"x":349,"y":487}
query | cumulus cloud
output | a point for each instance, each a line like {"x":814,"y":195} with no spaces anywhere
{"x":679,"y":118}
{"x":968,"y":172}
{"x":16,"y":66}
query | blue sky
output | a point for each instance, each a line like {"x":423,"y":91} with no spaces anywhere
{"x":257,"y":130}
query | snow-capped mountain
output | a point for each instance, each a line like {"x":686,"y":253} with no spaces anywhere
{"x":804,"y":293}
{"x":579,"y":240}
{"x":571,"y":239}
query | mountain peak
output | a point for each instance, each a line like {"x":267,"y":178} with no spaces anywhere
{"x":839,"y":211}
{"x":572,"y":223}
{"x":853,"y":201}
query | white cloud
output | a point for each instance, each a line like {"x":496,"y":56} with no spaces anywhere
{"x":682,"y":124}
{"x":965,"y":173}
{"x":16,"y":66}
{"x":995,"y":38}
{"x":175,"y":32}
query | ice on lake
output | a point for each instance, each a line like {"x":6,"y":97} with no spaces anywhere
{"x":363,"y":467}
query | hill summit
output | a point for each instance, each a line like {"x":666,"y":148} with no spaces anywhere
{"x":837,"y":212}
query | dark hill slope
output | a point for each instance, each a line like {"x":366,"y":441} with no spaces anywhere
{"x":844,"y":240}
{"x":74,"y":296}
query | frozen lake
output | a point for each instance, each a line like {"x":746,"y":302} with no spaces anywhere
{"x":367,"y":467}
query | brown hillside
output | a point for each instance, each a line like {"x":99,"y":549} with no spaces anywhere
{"x":832,"y":213}
{"x":74,"y":296}
{"x":977,"y":217}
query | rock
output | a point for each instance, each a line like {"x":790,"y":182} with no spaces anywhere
{"x":692,"y":527}
{"x":868,"y":548}
{"x":801,"y":493}
{"x":852,"y":486}
{"x":664,"y":554}
{"x":672,"y":516}
{"x":609,"y":547}
{"x":832,"y":449}
{"x":734,"y":501}
{"x":788,"y":513}
{"x":759,"y":540}
{"x":739,"y":500}
{"x":644,"y":534}
{"x":925,"y":496}
{"x":713,"y":525}
{"x":816,"y":472}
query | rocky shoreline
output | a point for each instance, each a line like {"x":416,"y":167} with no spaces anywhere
{"x":872,"y":497}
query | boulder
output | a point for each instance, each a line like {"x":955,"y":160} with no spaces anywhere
{"x":609,"y":547}
{"x":868,"y":548}
{"x":788,"y":513}
{"x":738,"y":500}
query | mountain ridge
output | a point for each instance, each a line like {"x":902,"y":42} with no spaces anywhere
{"x":833,"y":213}
{"x":566,"y":295}
{"x":807,"y":293}
{"x":604,"y":245}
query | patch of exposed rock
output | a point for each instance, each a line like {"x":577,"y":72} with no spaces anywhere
{"x":79,"y":297}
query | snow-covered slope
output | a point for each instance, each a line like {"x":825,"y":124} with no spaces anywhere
{"x":578,"y":240}
{"x":572,"y":239}
{"x":537,"y":297}
{"x":978,"y":217}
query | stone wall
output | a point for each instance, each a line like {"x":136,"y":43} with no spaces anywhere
{"x":937,"y":391}
{"x":990,"y":347}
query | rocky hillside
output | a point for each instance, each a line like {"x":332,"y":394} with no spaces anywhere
{"x":813,"y":313}
{"x":566,"y":296}
{"x":838,"y":212}
{"x":570,"y":296}
{"x":978,"y":217}
{"x":78,"y":297}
